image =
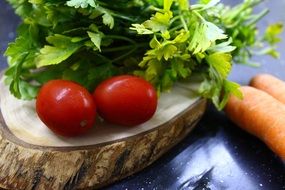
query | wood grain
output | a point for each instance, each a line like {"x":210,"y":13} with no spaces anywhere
{"x":22,"y":120}
{"x":29,"y":166}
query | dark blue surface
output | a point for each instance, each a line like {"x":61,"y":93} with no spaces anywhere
{"x":216,"y":155}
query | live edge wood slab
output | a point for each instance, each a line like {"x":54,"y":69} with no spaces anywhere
{"x":32,"y":157}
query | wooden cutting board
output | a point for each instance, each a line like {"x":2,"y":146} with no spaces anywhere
{"x":32,"y":157}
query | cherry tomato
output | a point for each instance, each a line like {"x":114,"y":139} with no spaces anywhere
{"x":67,"y":108}
{"x":125,"y":100}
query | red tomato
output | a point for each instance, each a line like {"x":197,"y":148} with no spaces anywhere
{"x":67,"y":108}
{"x":125,"y":100}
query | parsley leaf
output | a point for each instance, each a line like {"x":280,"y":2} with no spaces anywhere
{"x":206,"y":33}
{"x":164,"y":41}
{"x":81,"y":3}
{"x":63,"y":47}
{"x":221,"y":62}
{"x":157,"y":23}
{"x":96,"y":38}
{"x":272,"y":32}
{"x":108,"y":20}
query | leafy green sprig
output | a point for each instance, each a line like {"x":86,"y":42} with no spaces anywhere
{"x":164,"y":41}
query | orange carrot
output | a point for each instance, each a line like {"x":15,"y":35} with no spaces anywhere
{"x":261,"y":115}
{"x":271,"y":85}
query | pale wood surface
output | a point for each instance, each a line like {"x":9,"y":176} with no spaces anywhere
{"x":23,"y":122}
{"x":28,"y":161}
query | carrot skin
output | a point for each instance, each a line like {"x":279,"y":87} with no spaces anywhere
{"x":261,"y":115}
{"x":271,"y":85}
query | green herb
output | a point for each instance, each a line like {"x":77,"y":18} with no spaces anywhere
{"x":164,"y":41}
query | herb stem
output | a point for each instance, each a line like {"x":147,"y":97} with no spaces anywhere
{"x":103,"y":57}
{"x":120,"y":38}
{"x":124,"y":55}
{"x":121,"y":48}
{"x":256,"y":18}
{"x":176,"y":28}
{"x":174,"y":19}
{"x":184,"y":23}
{"x":153,"y":8}
{"x":122,"y":17}
{"x":197,"y":6}
{"x":199,"y":16}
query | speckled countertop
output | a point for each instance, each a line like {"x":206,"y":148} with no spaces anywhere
{"x":216,"y":155}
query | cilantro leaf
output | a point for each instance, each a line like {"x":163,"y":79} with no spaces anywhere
{"x":81,"y":3}
{"x":164,"y":41}
{"x":154,"y":43}
{"x":96,"y":38}
{"x":167,"y":4}
{"x":210,"y":3}
{"x":205,"y":35}
{"x":221,"y":62}
{"x":224,"y":47}
{"x":141,"y":29}
{"x":179,"y":69}
{"x":159,"y":22}
{"x":230,"y":88}
{"x":272,"y":32}
{"x":183,"y":4}
{"x":108,"y":20}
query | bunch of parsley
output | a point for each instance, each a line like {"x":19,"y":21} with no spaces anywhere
{"x":164,"y":41}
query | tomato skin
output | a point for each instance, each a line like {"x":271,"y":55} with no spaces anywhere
{"x":66,"y":108}
{"x":125,"y":100}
